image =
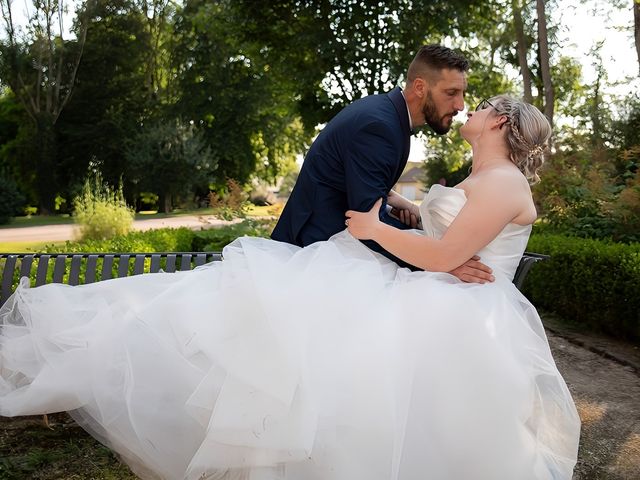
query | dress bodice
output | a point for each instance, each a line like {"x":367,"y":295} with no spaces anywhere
{"x":441,"y":205}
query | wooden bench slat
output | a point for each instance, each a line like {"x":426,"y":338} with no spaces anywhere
{"x":25,"y":267}
{"x":123,"y":266}
{"x":74,"y":271}
{"x":107,"y":264}
{"x":201,"y":259}
{"x":138,"y":265}
{"x":155,"y":263}
{"x":7,"y":277}
{"x":59,"y":267}
{"x":185,"y":261}
{"x":171,"y":263}
{"x":92,"y":267}
{"x":43,"y":267}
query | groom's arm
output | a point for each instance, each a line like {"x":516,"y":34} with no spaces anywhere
{"x":370,"y":163}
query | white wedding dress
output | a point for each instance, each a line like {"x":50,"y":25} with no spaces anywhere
{"x":281,"y":363}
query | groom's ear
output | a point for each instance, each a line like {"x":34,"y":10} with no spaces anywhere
{"x":419,"y":87}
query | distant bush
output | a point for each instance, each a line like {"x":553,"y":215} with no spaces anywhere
{"x":233,"y":202}
{"x":590,"y":282}
{"x":11,"y":200}
{"x":215,"y":239}
{"x":161,"y":240}
{"x":101,"y":211}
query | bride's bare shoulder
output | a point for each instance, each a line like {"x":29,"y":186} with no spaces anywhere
{"x":499,"y":181}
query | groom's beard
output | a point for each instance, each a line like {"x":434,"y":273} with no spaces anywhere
{"x":440,"y":125}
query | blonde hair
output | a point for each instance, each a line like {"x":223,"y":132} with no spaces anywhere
{"x":528,"y":132}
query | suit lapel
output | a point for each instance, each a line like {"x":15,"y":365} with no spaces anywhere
{"x":400,"y":105}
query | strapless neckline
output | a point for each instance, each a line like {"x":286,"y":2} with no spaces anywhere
{"x":465,"y":198}
{"x":440,"y":207}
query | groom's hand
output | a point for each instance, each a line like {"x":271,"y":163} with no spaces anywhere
{"x":473,"y":271}
{"x":407,"y":217}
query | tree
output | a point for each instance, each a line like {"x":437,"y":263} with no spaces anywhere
{"x":111,"y":97}
{"x":339,"y":51}
{"x":169,"y":159}
{"x":523,"y":49}
{"x":42,"y":75}
{"x":636,"y":28}
{"x":226,"y":84}
{"x":545,"y":70}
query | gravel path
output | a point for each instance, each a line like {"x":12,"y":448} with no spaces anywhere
{"x":607,"y":395}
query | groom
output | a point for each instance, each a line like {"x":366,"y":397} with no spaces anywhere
{"x":361,"y":153}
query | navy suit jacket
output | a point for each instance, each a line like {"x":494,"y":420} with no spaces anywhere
{"x":357,"y":158}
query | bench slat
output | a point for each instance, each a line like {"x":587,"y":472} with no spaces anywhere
{"x":59,"y":267}
{"x":201,"y":259}
{"x":185,"y":262}
{"x":25,"y":267}
{"x":138,"y":265}
{"x":155,"y":263}
{"x":74,"y":271}
{"x":107,"y":264}
{"x":43,"y":267}
{"x":171,"y":263}
{"x":123,"y":266}
{"x":7,"y":277}
{"x":92,"y":267}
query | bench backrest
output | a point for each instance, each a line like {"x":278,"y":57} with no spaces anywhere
{"x":82,"y":268}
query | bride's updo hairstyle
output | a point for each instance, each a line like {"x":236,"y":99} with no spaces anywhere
{"x":527,"y":134}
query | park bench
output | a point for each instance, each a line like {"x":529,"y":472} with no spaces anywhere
{"x":82,"y":268}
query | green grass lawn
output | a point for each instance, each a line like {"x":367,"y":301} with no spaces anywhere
{"x":25,"y":247}
{"x":60,"y":451}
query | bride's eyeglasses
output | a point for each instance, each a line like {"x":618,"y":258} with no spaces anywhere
{"x":484,"y":104}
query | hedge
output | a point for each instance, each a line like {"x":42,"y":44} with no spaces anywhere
{"x":593,"y":283}
{"x":161,"y":240}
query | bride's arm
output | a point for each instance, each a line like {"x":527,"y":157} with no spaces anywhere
{"x":491,"y":206}
{"x":404,"y":210}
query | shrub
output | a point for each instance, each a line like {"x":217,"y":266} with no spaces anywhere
{"x":214,"y":240}
{"x":101,"y":211}
{"x":590,"y":282}
{"x":230,"y":204}
{"x":161,"y":240}
{"x":10,"y":200}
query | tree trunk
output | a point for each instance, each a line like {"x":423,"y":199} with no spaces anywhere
{"x":516,"y":6}
{"x":164,"y":202}
{"x":636,"y":28}
{"x":46,"y":184}
{"x":543,"y":46}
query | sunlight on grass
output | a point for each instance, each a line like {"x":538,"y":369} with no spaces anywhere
{"x":628,"y":459}
{"x":590,"y":412}
{"x":25,"y":247}
{"x":266,"y":210}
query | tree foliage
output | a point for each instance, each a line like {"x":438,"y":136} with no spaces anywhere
{"x":170,"y":159}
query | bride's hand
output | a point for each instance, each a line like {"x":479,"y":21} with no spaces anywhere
{"x":363,"y":225}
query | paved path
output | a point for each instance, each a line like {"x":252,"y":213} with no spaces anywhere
{"x":60,"y":233}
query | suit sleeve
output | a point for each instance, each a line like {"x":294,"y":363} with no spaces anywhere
{"x":370,"y":166}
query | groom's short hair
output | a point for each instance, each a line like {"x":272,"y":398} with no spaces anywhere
{"x":431,"y":59}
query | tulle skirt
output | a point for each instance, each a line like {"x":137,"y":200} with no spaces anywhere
{"x":281,"y":363}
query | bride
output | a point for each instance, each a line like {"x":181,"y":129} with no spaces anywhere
{"x":321,"y":363}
